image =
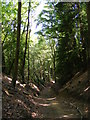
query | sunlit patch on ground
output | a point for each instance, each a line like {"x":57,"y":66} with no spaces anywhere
{"x":10,"y":79}
{"x":34,"y":114}
{"x":7,"y":78}
{"x":34,"y":86}
{"x":86,"y":110}
{"x":6,"y":92}
{"x":87,"y":89}
{"x":23,"y":104}
{"x":22,"y":85}
{"x":51,"y":98}
{"x":70,"y":116}
{"x":44,"y":105}
{"x":53,"y":81}
{"x":54,"y":103}
{"x":66,"y":116}
{"x":51,"y":107}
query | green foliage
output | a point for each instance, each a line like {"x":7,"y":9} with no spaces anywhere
{"x":71,"y":52}
{"x":58,"y":52}
{"x":65,"y":24}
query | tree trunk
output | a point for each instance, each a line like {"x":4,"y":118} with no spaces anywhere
{"x":88,"y":45}
{"x":44,"y":71}
{"x":3,"y":62}
{"x":28,"y":59}
{"x":88,"y":42}
{"x":11,"y":66}
{"x":3,"y":57}
{"x":23,"y":65}
{"x":82,"y":37}
{"x":40,"y":69}
{"x":54,"y":67}
{"x":17,"y":46}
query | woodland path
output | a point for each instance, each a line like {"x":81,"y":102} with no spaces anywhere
{"x":50,"y":106}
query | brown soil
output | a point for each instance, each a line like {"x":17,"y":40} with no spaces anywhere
{"x":24,"y":102}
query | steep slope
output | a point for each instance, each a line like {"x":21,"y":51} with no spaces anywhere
{"x":18,"y":103}
{"x":78,"y":86}
{"x":77,"y":93}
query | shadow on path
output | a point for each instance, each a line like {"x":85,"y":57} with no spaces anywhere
{"x":50,"y":106}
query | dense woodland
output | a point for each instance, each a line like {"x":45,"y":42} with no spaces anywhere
{"x":60,"y":49}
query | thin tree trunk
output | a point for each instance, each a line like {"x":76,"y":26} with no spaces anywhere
{"x":48,"y":71}
{"x":3,"y":57}
{"x":11,"y":66}
{"x":17,"y":46}
{"x":40,"y":69}
{"x":33,"y":64}
{"x":3,"y":63}
{"x":54,"y":66}
{"x":28,"y":59}
{"x":88,"y":45}
{"x":44,"y":71}
{"x":23,"y":65}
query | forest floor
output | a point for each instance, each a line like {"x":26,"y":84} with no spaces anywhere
{"x":29,"y":102}
{"x":52,"y":106}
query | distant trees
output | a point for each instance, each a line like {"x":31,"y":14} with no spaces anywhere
{"x":57,"y":53}
{"x":40,"y":61}
{"x":66,"y":24}
{"x":48,"y":19}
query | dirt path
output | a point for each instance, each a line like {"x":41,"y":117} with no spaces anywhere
{"x":50,"y":106}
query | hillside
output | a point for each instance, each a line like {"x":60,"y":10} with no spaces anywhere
{"x":77,"y":93}
{"x":28,"y":101}
{"x":18,"y":103}
{"x":78,"y":86}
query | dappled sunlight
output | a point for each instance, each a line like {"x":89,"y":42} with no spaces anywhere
{"x":87,"y":89}
{"x":54,"y":103}
{"x":17,"y":82}
{"x":45,"y":105}
{"x":6,"y":91}
{"x":34,"y":86}
{"x":52,"y":81}
{"x":10,"y":79}
{"x":38,"y":98}
{"x":49,"y":99}
{"x":86,"y":110}
{"x":7,"y":78}
{"x":34,"y":114}
{"x":68,"y":115}
{"x":23,"y":104}
{"x":40,"y":104}
{"x":44,"y":59}
{"x":22,"y":85}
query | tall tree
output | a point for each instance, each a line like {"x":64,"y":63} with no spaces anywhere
{"x":88,"y":42}
{"x":28,"y":58}
{"x":23,"y":64}
{"x":17,"y":46}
